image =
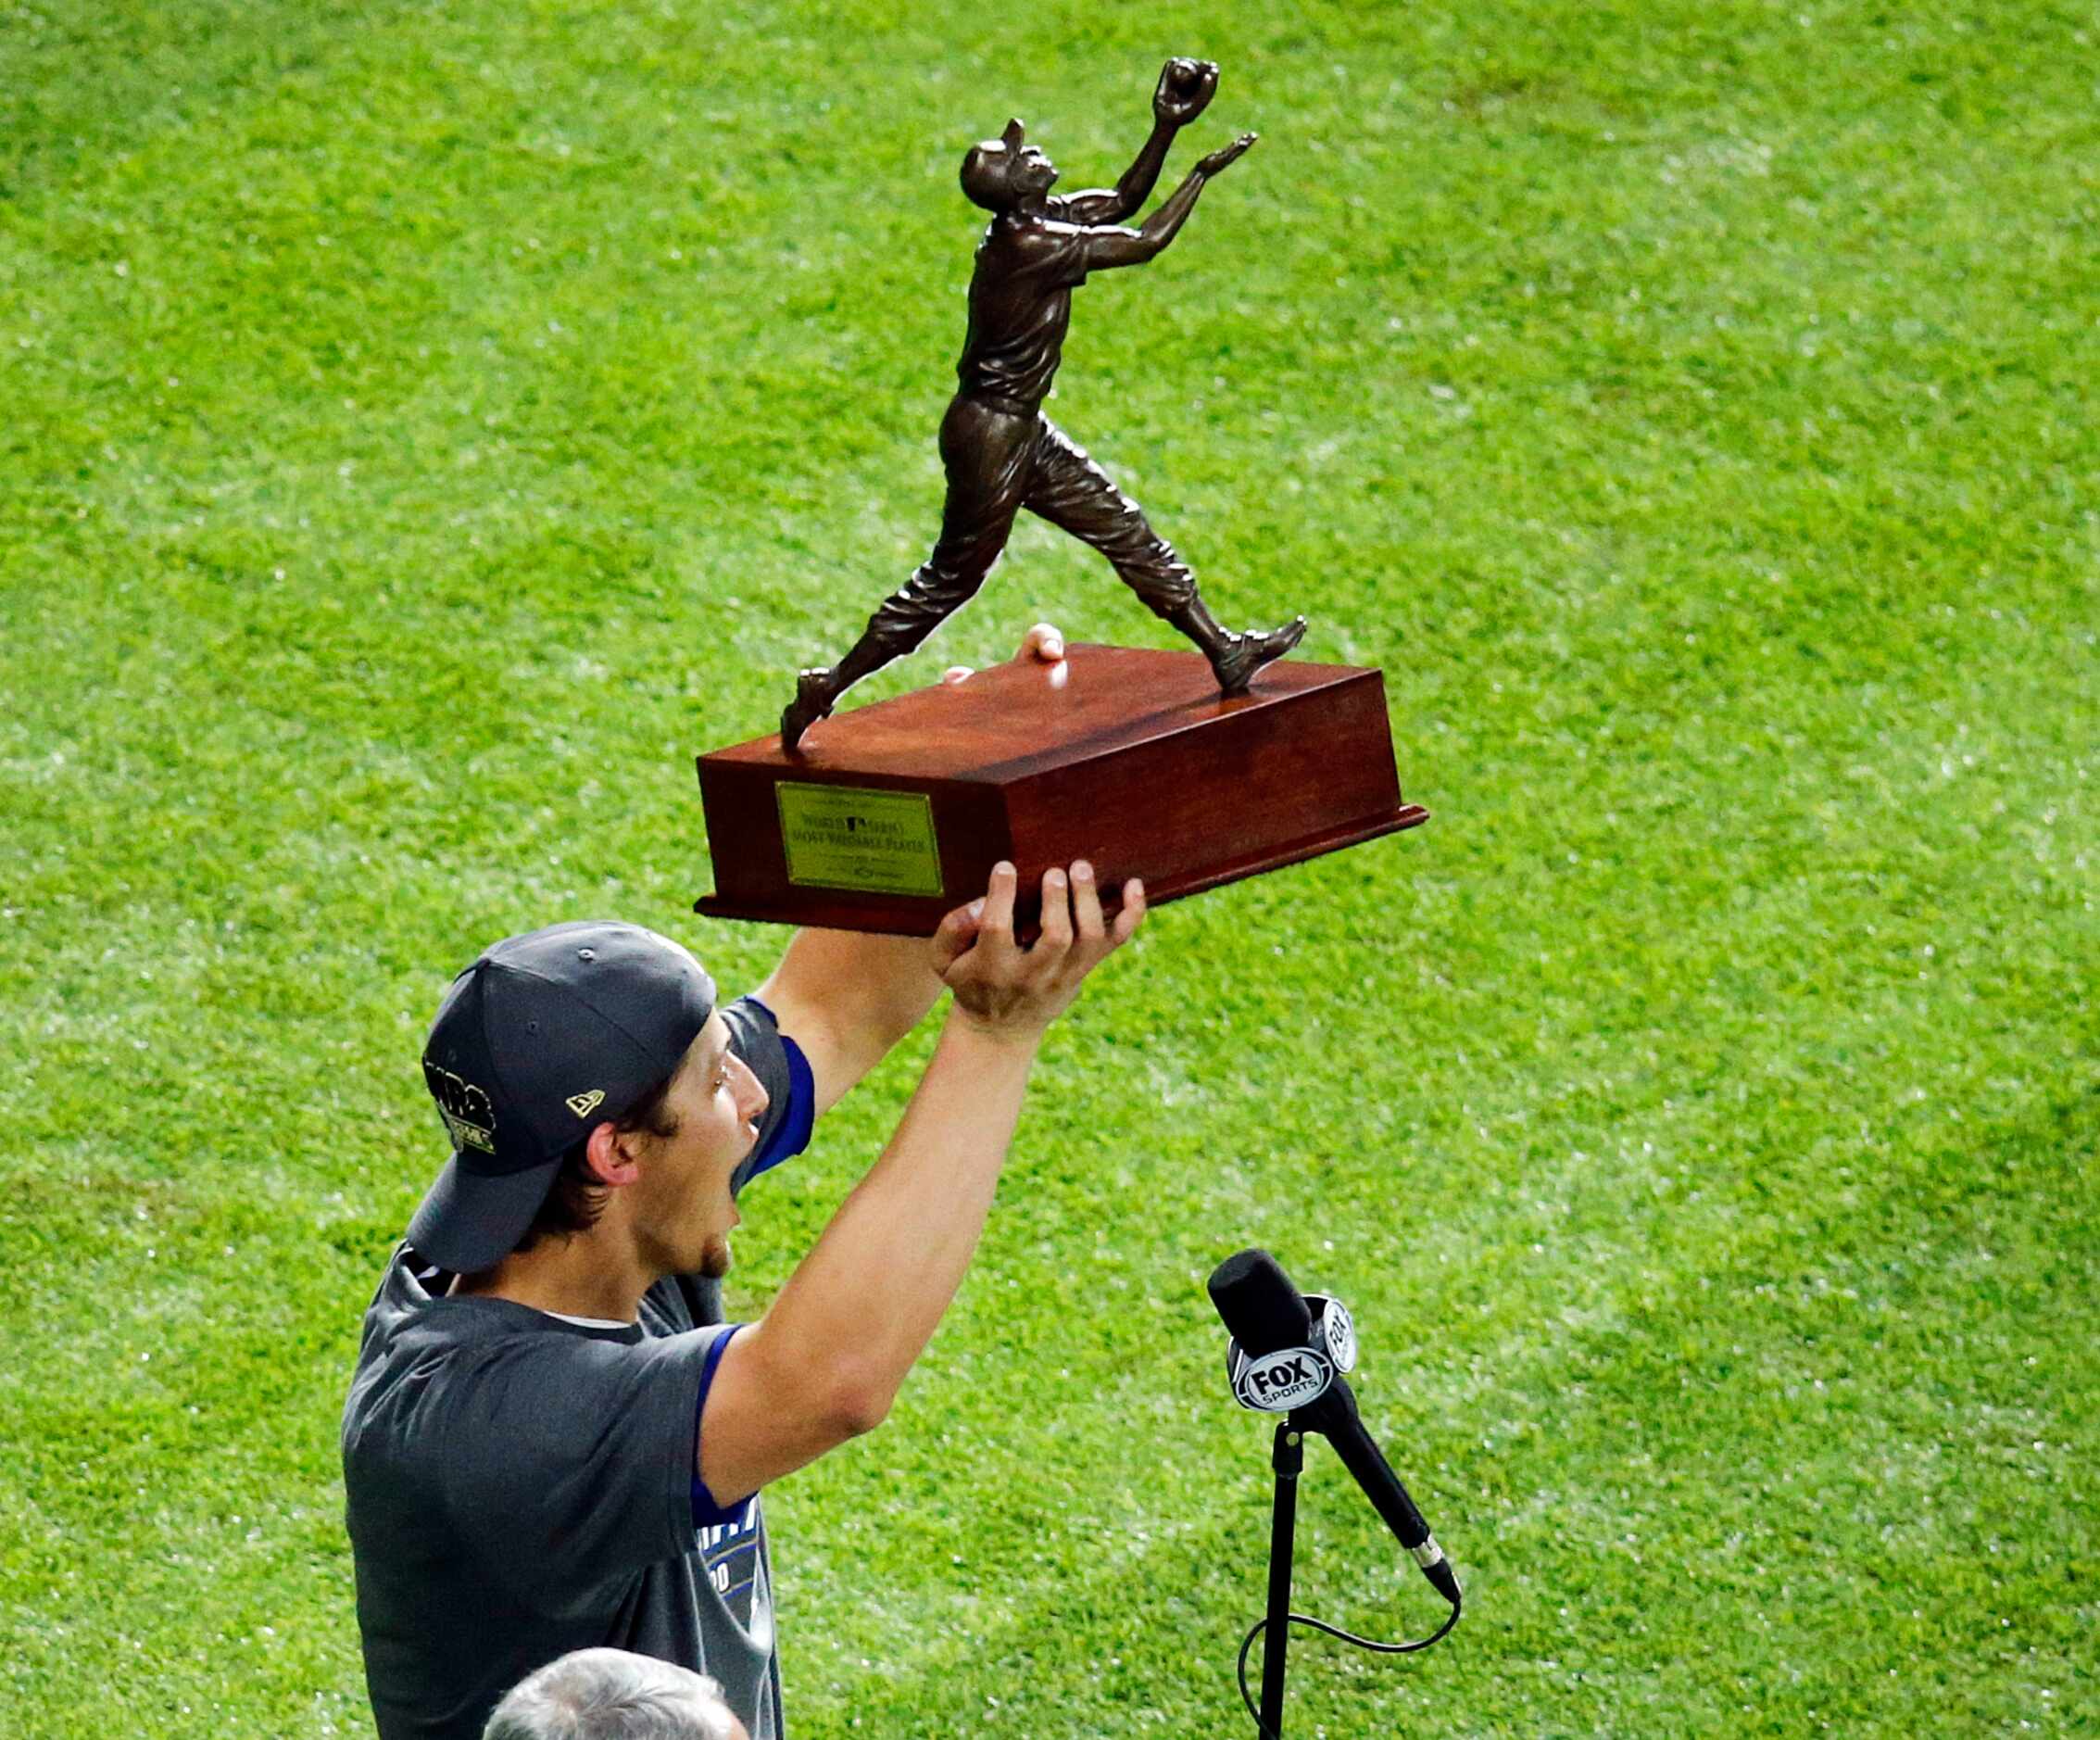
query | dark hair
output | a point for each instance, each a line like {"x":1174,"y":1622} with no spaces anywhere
{"x":577,"y":1198}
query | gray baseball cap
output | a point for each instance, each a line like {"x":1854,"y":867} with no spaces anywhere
{"x":543,"y":1038}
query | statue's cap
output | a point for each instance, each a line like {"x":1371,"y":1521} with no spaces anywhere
{"x":987,"y":165}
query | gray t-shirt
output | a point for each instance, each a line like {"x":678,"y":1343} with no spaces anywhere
{"x":521,"y":1485}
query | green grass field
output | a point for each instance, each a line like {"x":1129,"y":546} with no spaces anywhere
{"x":422,"y":430}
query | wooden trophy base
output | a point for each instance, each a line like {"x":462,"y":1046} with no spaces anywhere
{"x":888,"y":816}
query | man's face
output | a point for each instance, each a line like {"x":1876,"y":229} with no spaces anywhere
{"x":1033,"y":173}
{"x":1028,"y":170}
{"x":684,"y":1210}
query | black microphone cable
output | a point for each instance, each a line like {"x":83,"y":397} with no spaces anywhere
{"x":1306,"y":1619}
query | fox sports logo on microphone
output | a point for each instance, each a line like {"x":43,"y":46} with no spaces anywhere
{"x":1275,"y":1383}
{"x":1334,"y":1329}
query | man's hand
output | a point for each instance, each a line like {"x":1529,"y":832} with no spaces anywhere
{"x":1009,"y":992}
{"x":1185,"y":90}
{"x":846,"y":999}
{"x":1219,"y":161}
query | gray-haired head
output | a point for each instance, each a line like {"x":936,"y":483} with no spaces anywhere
{"x":610,"y":1694}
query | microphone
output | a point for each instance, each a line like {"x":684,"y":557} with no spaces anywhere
{"x":1286,"y":1362}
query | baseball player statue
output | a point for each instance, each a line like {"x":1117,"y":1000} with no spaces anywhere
{"x":1000,"y":453}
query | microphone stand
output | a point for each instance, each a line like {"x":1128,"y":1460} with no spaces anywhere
{"x":1288,"y":1458}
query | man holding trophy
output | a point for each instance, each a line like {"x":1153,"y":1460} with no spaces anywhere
{"x":552,"y":1442}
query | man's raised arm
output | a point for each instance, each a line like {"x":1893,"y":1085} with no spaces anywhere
{"x":1185,"y":90}
{"x":1108,"y":248}
{"x":825,"y":1361}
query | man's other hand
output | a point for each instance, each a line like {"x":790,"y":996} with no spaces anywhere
{"x":1219,"y":161}
{"x":1185,"y":90}
{"x":1014,"y":993}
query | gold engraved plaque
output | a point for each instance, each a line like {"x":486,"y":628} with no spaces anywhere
{"x":853,"y":836}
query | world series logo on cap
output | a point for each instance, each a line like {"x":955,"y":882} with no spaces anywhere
{"x":466,"y":1109}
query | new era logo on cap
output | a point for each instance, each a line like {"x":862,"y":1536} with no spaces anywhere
{"x":583,"y":1105}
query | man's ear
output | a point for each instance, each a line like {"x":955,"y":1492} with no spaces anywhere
{"x":613,"y":1154}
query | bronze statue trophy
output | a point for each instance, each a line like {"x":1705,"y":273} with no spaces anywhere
{"x":1177,"y":769}
{"x":1000,"y":453}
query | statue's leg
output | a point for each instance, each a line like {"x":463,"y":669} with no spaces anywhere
{"x":1075,"y":495}
{"x":986,"y":463}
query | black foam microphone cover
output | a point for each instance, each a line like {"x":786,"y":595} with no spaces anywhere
{"x":1260,"y":1304}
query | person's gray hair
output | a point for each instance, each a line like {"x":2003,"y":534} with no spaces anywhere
{"x":612,"y":1695}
